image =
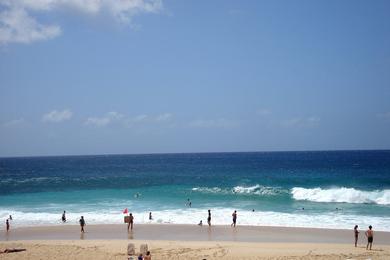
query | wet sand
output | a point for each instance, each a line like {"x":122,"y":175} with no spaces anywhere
{"x":191,"y":233}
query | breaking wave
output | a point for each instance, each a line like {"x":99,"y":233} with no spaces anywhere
{"x":343,"y":194}
{"x":250,"y":190}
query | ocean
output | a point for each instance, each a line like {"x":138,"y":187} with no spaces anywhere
{"x":327,"y":189}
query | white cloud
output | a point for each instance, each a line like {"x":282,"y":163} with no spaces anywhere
{"x":57,"y":116}
{"x":14,"y":122}
{"x":301,"y":122}
{"x":18,"y":19}
{"x":139,"y":118}
{"x":105,"y":120}
{"x":18,"y":27}
{"x":214,"y":123}
{"x":164,"y":117}
{"x":98,"y":121}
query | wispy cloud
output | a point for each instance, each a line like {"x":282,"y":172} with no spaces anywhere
{"x":57,"y":116}
{"x":148,"y":119}
{"x":263,"y":112}
{"x":301,"y":122}
{"x":164,"y":117}
{"x":104,"y":120}
{"x":141,"y":119}
{"x":14,"y":122}
{"x":19,"y":24}
{"x":214,"y":123}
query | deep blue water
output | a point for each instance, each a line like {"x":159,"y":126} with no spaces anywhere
{"x":277,"y":185}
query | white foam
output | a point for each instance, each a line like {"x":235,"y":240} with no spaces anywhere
{"x":347,"y":195}
{"x":209,"y":190}
{"x":250,"y":190}
{"x":258,"y":190}
{"x":220,"y":216}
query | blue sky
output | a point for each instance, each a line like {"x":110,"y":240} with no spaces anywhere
{"x":103,"y":77}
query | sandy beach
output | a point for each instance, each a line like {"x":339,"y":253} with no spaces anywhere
{"x":191,"y":242}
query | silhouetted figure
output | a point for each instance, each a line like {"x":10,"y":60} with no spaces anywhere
{"x":63,"y":218}
{"x":356,"y":233}
{"x":234,"y":215}
{"x":131,"y":222}
{"x":82,"y":223}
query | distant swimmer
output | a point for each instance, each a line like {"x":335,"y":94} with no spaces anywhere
{"x":137,"y":195}
{"x":63,"y":218}
{"x":209,"y":218}
{"x":356,"y":233}
{"x":200,"y":223}
{"x":7,"y":224}
{"x":82,"y":224}
{"x":370,"y":237}
{"x":234,"y":215}
{"x":150,"y":216}
{"x":131,"y":222}
{"x":10,"y":217}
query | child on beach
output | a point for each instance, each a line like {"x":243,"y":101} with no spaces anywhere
{"x":148,"y":256}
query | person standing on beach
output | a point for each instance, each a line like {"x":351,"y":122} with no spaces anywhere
{"x":148,"y":256}
{"x":209,"y":219}
{"x":63,"y":217}
{"x":356,"y":233}
{"x":234,"y":215}
{"x":150,"y":216}
{"x":370,"y":237}
{"x":82,"y":224}
{"x":131,"y":221}
{"x":7,"y":224}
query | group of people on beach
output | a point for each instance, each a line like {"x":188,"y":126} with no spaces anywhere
{"x":81,"y":221}
{"x":369,"y":234}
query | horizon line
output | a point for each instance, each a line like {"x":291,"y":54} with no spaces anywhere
{"x":173,"y":153}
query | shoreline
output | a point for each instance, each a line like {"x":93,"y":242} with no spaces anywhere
{"x":183,"y":232}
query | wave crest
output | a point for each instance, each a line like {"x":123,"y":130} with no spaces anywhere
{"x":346,"y":195}
{"x":241,"y":190}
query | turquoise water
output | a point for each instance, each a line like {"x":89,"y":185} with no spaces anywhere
{"x":311,"y":189}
